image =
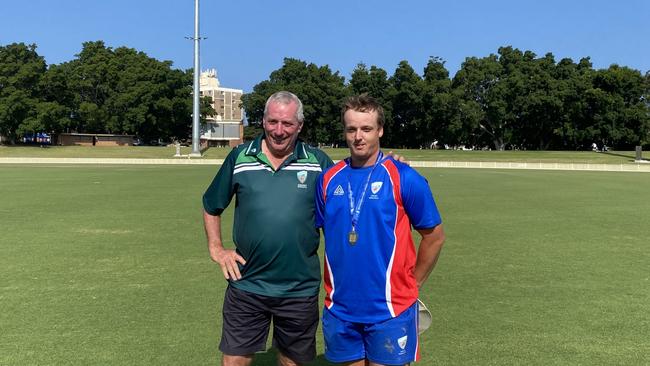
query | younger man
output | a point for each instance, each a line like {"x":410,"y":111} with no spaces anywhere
{"x":366,"y":205}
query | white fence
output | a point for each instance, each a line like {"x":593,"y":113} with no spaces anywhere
{"x":630,"y":167}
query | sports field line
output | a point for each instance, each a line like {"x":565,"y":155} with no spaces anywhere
{"x":631,"y":167}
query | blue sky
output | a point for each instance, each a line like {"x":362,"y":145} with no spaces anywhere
{"x":247,"y":40}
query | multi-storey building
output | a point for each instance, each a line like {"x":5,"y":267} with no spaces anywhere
{"x":225,"y":128}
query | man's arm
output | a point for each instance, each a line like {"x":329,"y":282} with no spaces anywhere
{"x":227,"y":258}
{"x":428,"y":253}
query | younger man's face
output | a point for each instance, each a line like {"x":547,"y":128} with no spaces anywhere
{"x":362,"y":134}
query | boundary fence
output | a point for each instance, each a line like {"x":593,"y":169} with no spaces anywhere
{"x":630,"y":167}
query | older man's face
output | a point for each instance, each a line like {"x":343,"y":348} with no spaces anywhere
{"x":281,"y":128}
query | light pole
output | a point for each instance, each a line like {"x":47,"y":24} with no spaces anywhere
{"x":196,"y":138}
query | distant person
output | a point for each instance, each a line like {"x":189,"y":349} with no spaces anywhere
{"x":366,"y":205}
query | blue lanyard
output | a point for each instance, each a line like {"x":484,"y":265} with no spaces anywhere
{"x":355,"y":210}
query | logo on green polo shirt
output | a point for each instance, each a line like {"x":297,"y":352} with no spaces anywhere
{"x":302,"y":178}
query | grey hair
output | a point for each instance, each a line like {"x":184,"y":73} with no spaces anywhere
{"x":285,"y":97}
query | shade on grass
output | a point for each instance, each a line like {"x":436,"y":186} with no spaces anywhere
{"x":108,"y":265}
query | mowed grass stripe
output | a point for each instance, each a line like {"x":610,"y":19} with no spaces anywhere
{"x":108,"y":265}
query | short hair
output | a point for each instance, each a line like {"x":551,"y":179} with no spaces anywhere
{"x":363,"y":103}
{"x":285,"y":97}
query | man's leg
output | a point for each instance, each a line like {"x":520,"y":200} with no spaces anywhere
{"x":285,"y":361}
{"x":295,"y":321}
{"x":246,"y":323}
{"x":359,"y":363}
{"x":365,"y":363}
{"x":229,"y":360}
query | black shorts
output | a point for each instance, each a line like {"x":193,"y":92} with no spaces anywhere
{"x":247,"y":318}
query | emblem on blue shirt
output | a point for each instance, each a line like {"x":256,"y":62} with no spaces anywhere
{"x":338,"y":191}
{"x":302,"y":178}
{"x":375,"y":187}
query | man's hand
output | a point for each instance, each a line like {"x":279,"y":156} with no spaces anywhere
{"x":398,"y":157}
{"x":228,"y":260}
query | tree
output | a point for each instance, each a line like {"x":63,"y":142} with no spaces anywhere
{"x":513,"y":99}
{"x":59,"y":99}
{"x":508,"y":99}
{"x":375,"y":83}
{"x":320,"y":90}
{"x":251,"y":132}
{"x":574,"y":81}
{"x":538,"y":104}
{"x":439,"y":104}
{"x":408,"y":115}
{"x":483,"y":104}
{"x":124,"y":91}
{"x":20,"y":71}
{"x":619,"y":110}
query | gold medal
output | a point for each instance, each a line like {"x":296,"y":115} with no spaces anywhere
{"x":352,"y":237}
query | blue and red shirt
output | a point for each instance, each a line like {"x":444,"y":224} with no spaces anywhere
{"x":372,"y":279}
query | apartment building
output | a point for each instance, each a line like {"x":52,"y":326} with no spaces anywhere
{"x":225,"y":128}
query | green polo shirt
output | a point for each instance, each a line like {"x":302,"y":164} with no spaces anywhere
{"x":274,"y":217}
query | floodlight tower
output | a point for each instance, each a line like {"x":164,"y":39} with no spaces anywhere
{"x":196,"y":139}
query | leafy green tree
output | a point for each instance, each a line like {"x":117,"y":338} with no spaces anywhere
{"x":124,"y":91}
{"x":511,"y":99}
{"x":620,"y":112}
{"x":20,"y":71}
{"x":463,"y":127}
{"x":375,"y":82}
{"x":537,"y":103}
{"x":440,"y":105}
{"x":252,"y":131}
{"x":59,"y":99}
{"x":320,"y":90}
{"x":574,"y":80}
{"x":407,"y":111}
{"x":483,"y":105}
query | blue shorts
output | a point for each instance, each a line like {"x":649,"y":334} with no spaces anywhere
{"x":390,"y":342}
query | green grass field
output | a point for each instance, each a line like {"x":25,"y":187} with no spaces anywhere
{"x":109,"y":266}
{"x":167,"y":152}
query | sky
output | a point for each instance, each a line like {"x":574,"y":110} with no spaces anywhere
{"x":247,"y":40}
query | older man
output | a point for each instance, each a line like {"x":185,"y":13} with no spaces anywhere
{"x":274,"y":272}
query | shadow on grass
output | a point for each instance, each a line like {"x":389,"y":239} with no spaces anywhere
{"x":632,"y":157}
{"x":270,"y":358}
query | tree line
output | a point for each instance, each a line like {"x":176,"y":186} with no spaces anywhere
{"x":509,"y":100}
{"x":102,"y":90}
